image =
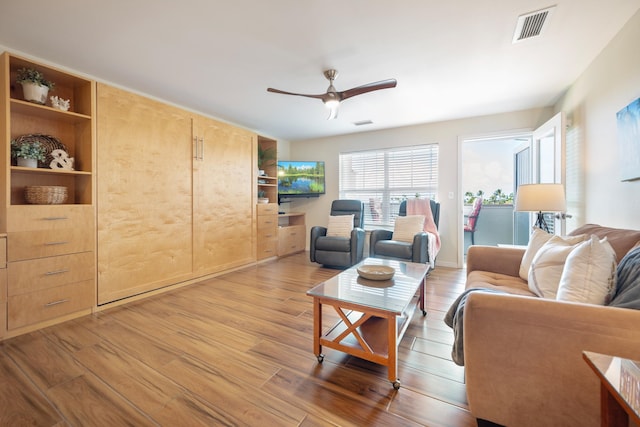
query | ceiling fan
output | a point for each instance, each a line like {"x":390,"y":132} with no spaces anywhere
{"x":332,"y":97}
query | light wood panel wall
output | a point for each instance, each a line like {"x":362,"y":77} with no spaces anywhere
{"x":144,"y":187}
{"x":224,"y":204}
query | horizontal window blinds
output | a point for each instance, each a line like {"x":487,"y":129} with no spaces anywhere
{"x":381,"y":179}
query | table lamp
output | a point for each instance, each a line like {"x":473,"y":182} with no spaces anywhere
{"x":541,"y":198}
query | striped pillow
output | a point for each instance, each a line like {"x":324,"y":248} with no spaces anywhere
{"x":408,"y":226}
{"x":340,"y":225}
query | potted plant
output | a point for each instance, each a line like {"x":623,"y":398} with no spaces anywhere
{"x":266,"y":156}
{"x":28,"y":154}
{"x":262,"y":197}
{"x":34,"y":86}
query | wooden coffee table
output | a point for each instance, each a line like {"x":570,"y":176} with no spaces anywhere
{"x":374,"y":314}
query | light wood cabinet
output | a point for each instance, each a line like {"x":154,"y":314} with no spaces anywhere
{"x":175,"y":195}
{"x":292,"y":233}
{"x":223,"y":214}
{"x":267,"y":230}
{"x":41,"y":239}
{"x":3,"y":285}
{"x":144,"y":191}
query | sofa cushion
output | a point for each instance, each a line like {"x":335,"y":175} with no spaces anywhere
{"x":333,"y":244}
{"x":498,"y":281}
{"x":621,"y":240}
{"x":394,"y":249}
{"x":548,"y":264}
{"x":589,"y":273}
{"x":407,"y":226}
{"x":538,"y":238}
{"x":340,"y":226}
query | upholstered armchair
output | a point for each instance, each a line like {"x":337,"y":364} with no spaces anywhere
{"x":341,"y":244}
{"x":383,"y":245}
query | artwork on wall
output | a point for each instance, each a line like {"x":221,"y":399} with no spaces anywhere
{"x":628,"y":120}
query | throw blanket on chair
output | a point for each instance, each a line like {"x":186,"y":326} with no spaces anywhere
{"x":454,"y":319}
{"x":423,"y":207}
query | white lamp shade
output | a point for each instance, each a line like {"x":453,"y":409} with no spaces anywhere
{"x":541,"y":198}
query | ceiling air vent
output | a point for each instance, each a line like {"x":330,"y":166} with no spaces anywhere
{"x":532,"y":24}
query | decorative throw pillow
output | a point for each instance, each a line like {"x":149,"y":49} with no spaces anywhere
{"x":340,"y":225}
{"x":548,"y":263}
{"x":589,"y":273}
{"x":538,"y":238}
{"x":408,"y":226}
{"x":628,"y":281}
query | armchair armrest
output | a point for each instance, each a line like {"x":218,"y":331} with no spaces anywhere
{"x":316,"y":231}
{"x":420,"y":248}
{"x":357,"y":245}
{"x":494,"y":259}
{"x":523,"y":357}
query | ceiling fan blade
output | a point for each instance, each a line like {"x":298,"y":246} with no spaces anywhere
{"x":295,"y":94}
{"x":383,"y":84}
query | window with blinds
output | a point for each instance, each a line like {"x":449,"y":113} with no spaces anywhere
{"x":384,"y":178}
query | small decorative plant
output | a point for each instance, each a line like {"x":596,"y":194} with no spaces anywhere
{"x":32,"y":75}
{"x":266,"y":157}
{"x":28,"y":150}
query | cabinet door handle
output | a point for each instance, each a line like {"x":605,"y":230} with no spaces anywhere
{"x":55,"y":218}
{"x":52,"y":303}
{"x":56,"y":243}
{"x":53,"y":273}
{"x":195,"y":143}
{"x":202,"y":148}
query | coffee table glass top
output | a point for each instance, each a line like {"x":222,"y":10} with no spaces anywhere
{"x":392,"y":295}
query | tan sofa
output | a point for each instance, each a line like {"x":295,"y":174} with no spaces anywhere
{"x":523,"y":354}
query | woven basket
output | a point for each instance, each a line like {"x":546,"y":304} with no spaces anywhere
{"x":48,"y":142}
{"x":45,"y":194}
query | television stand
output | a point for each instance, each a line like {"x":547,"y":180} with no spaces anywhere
{"x":292,"y":233}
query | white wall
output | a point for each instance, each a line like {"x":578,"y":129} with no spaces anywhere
{"x":610,"y":83}
{"x":447,"y":134}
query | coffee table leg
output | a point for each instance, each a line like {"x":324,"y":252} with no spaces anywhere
{"x":423,"y":295}
{"x":317,"y":329}
{"x":392,"y":362}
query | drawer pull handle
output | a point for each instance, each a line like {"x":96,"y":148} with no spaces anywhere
{"x":52,"y":273}
{"x":56,"y":243}
{"x":55,"y":218}
{"x":52,"y":303}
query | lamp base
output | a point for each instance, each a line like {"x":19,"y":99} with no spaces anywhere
{"x":541,"y":223}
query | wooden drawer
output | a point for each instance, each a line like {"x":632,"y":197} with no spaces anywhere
{"x":43,"y":273}
{"x":268,"y":226}
{"x":23,"y":245}
{"x":35,"y":307}
{"x":267,"y":248}
{"x":267,"y":209}
{"x":291,"y":239}
{"x":41,"y":231}
{"x":49,"y":217}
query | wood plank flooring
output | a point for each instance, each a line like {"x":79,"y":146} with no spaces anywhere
{"x":234,"y":350}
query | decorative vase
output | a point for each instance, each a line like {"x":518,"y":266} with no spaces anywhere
{"x":34,"y":92}
{"x":27,"y":163}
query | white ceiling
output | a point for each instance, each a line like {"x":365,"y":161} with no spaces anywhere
{"x":452,"y":59}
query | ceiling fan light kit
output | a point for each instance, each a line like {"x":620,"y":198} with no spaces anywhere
{"x":332,"y":98}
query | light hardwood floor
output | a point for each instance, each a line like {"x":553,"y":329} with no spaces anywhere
{"x":234,"y":350}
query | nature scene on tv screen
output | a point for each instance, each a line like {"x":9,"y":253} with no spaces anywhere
{"x":300,"y":178}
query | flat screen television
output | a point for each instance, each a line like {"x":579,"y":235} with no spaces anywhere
{"x":300,"y":178}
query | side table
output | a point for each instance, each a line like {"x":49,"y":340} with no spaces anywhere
{"x":619,"y":388}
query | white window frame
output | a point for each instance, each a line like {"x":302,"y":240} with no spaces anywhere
{"x":382,"y":178}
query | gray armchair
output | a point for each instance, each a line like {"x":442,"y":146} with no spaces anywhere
{"x":382,"y":245}
{"x":340,"y":252}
